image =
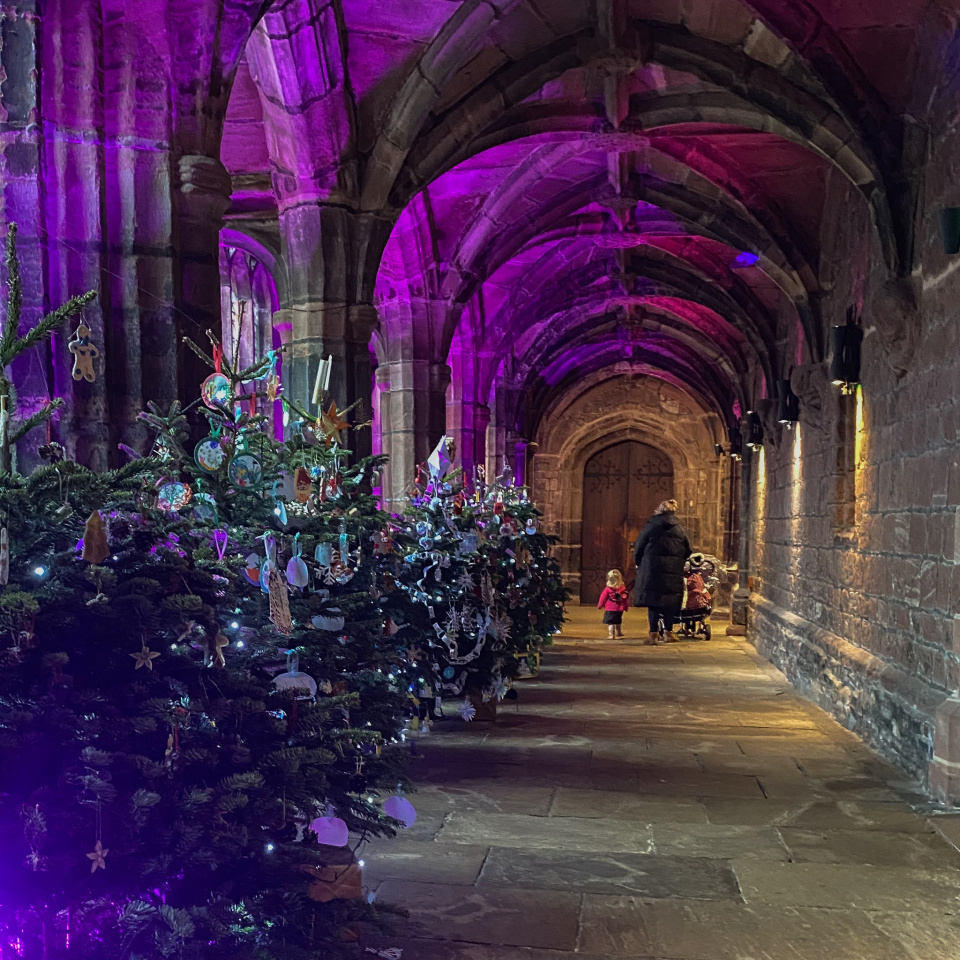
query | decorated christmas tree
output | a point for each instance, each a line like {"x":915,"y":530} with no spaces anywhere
{"x":485,"y":594}
{"x":192,"y":736}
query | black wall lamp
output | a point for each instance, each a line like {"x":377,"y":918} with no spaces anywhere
{"x":950,"y":230}
{"x":845,"y":365}
{"x":736,"y":443}
{"x":788,"y":404}
{"x":754,"y":437}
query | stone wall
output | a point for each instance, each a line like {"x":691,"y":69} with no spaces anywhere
{"x":854,"y":556}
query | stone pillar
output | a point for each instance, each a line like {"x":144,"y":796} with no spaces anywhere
{"x":201,"y":198}
{"x":741,"y":598}
{"x":520,"y":448}
{"x":413,"y":413}
{"x":467,"y":423}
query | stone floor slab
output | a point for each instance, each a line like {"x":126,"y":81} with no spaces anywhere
{"x":611,"y":873}
{"x":485,"y":915}
{"x":603,"y":804}
{"x":848,"y":886}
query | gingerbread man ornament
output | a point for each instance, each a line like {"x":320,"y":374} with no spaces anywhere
{"x":84,"y":353}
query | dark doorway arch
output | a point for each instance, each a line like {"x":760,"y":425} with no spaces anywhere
{"x":622,"y":486}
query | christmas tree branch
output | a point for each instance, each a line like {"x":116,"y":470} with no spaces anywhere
{"x":23,"y":427}
{"x":15,"y":294}
{"x":44,"y":328}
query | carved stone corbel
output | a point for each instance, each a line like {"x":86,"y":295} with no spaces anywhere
{"x":896,"y":314}
{"x":809,"y":383}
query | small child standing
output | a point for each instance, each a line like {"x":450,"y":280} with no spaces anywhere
{"x":613,"y":601}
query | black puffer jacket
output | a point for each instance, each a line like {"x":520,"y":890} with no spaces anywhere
{"x":661,"y":551}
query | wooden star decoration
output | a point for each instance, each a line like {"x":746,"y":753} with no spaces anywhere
{"x":145,"y":657}
{"x":331,"y":423}
{"x":97,"y":858}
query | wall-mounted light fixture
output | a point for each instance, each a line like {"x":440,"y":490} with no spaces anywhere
{"x":754,"y":437}
{"x":950,"y":230}
{"x":788,"y":404}
{"x":736,"y":443}
{"x":845,"y":365}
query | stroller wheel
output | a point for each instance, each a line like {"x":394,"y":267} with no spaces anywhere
{"x":707,"y":631}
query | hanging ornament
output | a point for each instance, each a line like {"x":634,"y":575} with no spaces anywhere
{"x":145,"y":658}
{"x":215,"y":391}
{"x":303,"y":485}
{"x":400,"y":808}
{"x":467,"y":711}
{"x":214,"y":655}
{"x":294,"y":680}
{"x":95,"y":548}
{"x":251,"y":570}
{"x":531,"y":527}
{"x":245,"y":469}
{"x":297,"y":573}
{"x":211,"y":454}
{"x":204,"y":506}
{"x":331,"y":423}
{"x":323,"y":554}
{"x":4,"y":557}
{"x":279,"y":603}
{"x":269,"y":564}
{"x":173,"y":496}
{"x":343,"y":541}
{"x":331,"y":831}
{"x":279,"y":508}
{"x":273,"y":380}
{"x":331,"y":621}
{"x":84,"y":353}
{"x":220,"y":539}
{"x":97,"y":858}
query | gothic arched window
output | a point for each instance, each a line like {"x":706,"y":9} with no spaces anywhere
{"x":248,"y":301}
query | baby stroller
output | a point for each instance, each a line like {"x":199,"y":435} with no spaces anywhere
{"x":702,"y":581}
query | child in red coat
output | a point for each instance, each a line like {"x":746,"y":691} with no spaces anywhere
{"x":613,"y":601}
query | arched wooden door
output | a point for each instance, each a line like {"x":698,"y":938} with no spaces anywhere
{"x":622,"y":486}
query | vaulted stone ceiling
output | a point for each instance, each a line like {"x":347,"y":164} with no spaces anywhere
{"x":548,"y":189}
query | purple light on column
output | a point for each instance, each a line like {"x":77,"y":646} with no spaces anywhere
{"x":745,"y":259}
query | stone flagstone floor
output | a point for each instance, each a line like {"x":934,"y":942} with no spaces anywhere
{"x":677,"y":802}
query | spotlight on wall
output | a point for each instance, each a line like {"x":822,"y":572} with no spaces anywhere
{"x":950,"y":230}
{"x":754,"y":437}
{"x":788,"y":404}
{"x":845,"y":365}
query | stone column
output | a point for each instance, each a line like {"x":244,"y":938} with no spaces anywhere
{"x":413,"y":413}
{"x":520,"y":448}
{"x":201,"y":197}
{"x":741,"y":598}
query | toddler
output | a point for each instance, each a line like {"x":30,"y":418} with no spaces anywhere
{"x":613,"y":601}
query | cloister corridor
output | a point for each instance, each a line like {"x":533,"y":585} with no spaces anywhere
{"x":677,"y":802}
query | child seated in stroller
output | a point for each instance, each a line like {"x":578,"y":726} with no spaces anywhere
{"x":698,"y":602}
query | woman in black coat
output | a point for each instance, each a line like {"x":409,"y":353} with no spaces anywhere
{"x":660,"y":551}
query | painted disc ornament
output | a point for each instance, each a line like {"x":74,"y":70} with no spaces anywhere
{"x":215,"y":391}
{"x":333,"y":623}
{"x":245,"y":470}
{"x":531,"y":528}
{"x":173,"y":496}
{"x":210,"y":455}
{"x":303,"y":485}
{"x":251,"y":570}
{"x":205,"y":507}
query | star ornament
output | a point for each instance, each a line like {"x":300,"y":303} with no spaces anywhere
{"x":97,"y":858}
{"x":331,"y":423}
{"x":145,"y":657}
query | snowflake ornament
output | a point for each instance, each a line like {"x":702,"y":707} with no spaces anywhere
{"x":467,"y":711}
{"x":97,"y":858}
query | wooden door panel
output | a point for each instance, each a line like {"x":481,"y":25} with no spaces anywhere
{"x":622,"y":486}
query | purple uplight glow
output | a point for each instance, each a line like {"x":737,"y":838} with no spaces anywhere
{"x":745,"y":259}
